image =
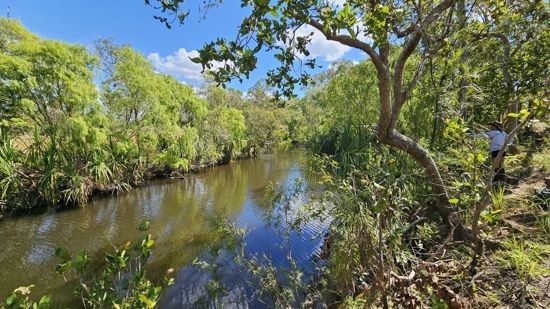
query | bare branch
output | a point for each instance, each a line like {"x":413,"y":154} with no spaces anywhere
{"x":405,"y":32}
{"x":349,"y":41}
{"x":408,"y":48}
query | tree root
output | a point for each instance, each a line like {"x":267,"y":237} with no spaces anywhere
{"x":461,"y":232}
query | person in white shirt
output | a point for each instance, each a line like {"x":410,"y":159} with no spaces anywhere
{"x":497,"y":137}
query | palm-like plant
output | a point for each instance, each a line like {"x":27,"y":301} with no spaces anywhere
{"x":78,"y":190}
{"x":51,"y":174}
{"x":98,"y":168}
{"x":10,"y":180}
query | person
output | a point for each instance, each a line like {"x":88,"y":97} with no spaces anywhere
{"x":497,"y":137}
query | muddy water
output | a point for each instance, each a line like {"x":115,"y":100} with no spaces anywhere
{"x":180,"y":214}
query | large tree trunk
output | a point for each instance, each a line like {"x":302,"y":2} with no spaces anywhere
{"x":423,"y":157}
{"x":393,"y":94}
{"x":447,"y":212}
{"x":389,"y":114}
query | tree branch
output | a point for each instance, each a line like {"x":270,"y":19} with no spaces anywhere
{"x":408,"y":48}
{"x":349,"y":41}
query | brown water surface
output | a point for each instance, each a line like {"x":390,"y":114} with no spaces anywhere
{"x":178,"y":210}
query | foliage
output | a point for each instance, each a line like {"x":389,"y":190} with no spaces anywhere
{"x":526,"y":258}
{"x":274,"y":286}
{"x":62,"y":139}
{"x":19,"y":299}
{"x":399,"y":38}
{"x":436,"y":73}
{"x":122,"y":281}
{"x":369,"y":208}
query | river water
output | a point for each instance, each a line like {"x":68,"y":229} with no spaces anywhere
{"x":180,"y":213}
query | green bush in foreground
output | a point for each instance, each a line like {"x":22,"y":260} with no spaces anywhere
{"x":19,"y":299}
{"x":121,"y":282}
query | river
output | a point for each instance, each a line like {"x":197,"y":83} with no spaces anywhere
{"x":179,"y":212}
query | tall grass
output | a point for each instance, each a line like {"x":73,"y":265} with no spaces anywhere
{"x":10,"y":180}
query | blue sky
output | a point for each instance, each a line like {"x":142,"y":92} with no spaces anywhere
{"x":131,"y":22}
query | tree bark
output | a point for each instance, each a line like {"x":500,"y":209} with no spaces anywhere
{"x":513,"y":107}
{"x":463,"y":83}
{"x":387,"y":133}
{"x":423,"y":157}
{"x":392,"y":96}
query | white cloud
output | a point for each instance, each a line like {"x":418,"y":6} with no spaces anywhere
{"x":178,"y":64}
{"x":320,"y":47}
{"x":339,"y":3}
{"x":359,"y":27}
{"x":197,"y":90}
{"x":330,"y":51}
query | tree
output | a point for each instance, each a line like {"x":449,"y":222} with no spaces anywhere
{"x":53,"y":116}
{"x":225,"y":129}
{"x":155,"y":111}
{"x":43,"y":80}
{"x":374,"y":27}
{"x":512,"y":43}
{"x":60,"y":141}
{"x":259,"y":94}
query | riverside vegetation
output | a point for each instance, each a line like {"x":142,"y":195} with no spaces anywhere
{"x":414,"y":218}
{"x":63,"y":139}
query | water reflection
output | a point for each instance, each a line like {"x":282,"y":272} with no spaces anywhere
{"x":178,"y":211}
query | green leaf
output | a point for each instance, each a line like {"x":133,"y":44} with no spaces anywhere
{"x":63,"y":267}
{"x":11,"y":300}
{"x":143,"y":226}
{"x":81,"y":261}
{"x":261,"y":2}
{"x":45,"y":302}
{"x":453,"y":201}
{"x":196,"y":59}
{"x":63,"y":254}
{"x":524,"y":113}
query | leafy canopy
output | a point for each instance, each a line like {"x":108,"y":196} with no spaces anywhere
{"x":272,"y":26}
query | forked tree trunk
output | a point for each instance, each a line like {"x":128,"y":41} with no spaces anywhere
{"x":393,"y":94}
{"x":390,"y":106}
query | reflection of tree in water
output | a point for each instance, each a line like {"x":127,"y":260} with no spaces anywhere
{"x":189,"y":205}
{"x":213,"y":195}
{"x":229,"y":277}
{"x":227,"y":191}
{"x":270,"y":172}
{"x":218,"y":280}
{"x":179,"y":213}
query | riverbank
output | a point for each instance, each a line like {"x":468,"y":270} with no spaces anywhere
{"x":92,"y":189}
{"x":68,"y":133}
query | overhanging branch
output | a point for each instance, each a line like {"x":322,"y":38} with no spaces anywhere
{"x":349,"y":41}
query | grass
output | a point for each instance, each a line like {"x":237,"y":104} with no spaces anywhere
{"x":526,"y":258}
{"x":542,"y":159}
{"x":544,"y":223}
